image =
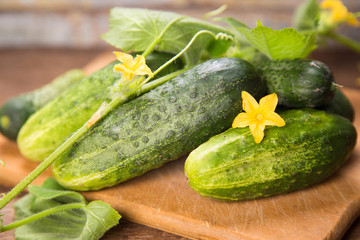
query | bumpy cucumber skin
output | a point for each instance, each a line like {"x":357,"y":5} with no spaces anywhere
{"x":299,"y":83}
{"x":340,"y":105}
{"x":309,"y":148}
{"x":161,"y":125}
{"x":53,"y":124}
{"x":15,"y":112}
{"x":13,"y":115}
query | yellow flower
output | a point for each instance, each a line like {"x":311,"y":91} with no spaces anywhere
{"x":339,"y":13}
{"x":257,"y":116}
{"x":130,"y":66}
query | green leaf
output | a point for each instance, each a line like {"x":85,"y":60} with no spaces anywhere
{"x":231,"y":21}
{"x":243,"y":48}
{"x":307,"y":16}
{"x":133,"y":29}
{"x":89,"y":222}
{"x":279,"y":44}
{"x":52,"y":189}
{"x":218,"y":47}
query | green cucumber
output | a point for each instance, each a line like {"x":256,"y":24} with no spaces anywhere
{"x":53,"y":124}
{"x":308,"y":149}
{"x":161,"y":125}
{"x":299,"y":83}
{"x":15,"y":112}
{"x":340,"y":105}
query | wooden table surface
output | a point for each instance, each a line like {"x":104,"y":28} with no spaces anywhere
{"x":19,"y":72}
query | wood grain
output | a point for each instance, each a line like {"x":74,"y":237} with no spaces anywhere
{"x":162,"y":199}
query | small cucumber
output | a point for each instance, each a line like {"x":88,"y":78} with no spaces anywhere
{"x":340,"y":105}
{"x":161,"y":125}
{"x":53,"y":124}
{"x":299,"y":83}
{"x":15,"y":112}
{"x":308,"y":149}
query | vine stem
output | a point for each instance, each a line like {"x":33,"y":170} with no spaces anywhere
{"x":41,"y":214}
{"x":119,"y":99}
{"x":53,"y":156}
{"x":102,"y":112}
{"x":177,"y":56}
{"x":352,"y":44}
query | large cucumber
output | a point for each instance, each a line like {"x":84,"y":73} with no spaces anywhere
{"x":15,"y":112}
{"x":159,"y":126}
{"x":309,"y":148}
{"x":299,"y":83}
{"x":340,"y":105}
{"x":53,"y":124}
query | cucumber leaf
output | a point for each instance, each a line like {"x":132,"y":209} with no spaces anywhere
{"x":88,"y":223}
{"x":231,"y":21}
{"x":234,"y":24}
{"x":279,"y":44}
{"x":218,"y":47}
{"x":134,"y":29}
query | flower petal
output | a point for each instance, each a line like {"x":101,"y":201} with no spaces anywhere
{"x":125,"y":58}
{"x":120,"y":68}
{"x":268,"y":103}
{"x":139,"y":60}
{"x":249,"y":103}
{"x":241,"y":120}
{"x":339,"y":13}
{"x":273,"y":119}
{"x":127,"y":74}
{"x":140,"y":66}
{"x":257,"y":131}
{"x":143,"y":70}
{"x":352,"y":21}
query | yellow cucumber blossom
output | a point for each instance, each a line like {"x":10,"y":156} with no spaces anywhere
{"x":339,"y":13}
{"x":257,"y":116}
{"x":131,"y":67}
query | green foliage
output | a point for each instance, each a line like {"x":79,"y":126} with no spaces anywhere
{"x":279,"y":44}
{"x":133,"y":29}
{"x":90,"y":221}
{"x":306,"y":16}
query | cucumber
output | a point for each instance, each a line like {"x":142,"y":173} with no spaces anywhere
{"x":308,"y":149}
{"x":53,"y":124}
{"x":161,"y":125}
{"x":15,"y":112}
{"x":340,"y":105}
{"x":299,"y":83}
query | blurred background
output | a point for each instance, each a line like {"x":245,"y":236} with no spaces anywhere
{"x":40,"y":39}
{"x":79,"y":23}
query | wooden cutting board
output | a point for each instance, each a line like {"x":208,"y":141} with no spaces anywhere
{"x":162,"y":199}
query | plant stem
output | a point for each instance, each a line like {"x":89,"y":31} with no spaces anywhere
{"x":42,"y":214}
{"x":53,"y":156}
{"x":119,"y":99}
{"x":215,"y":12}
{"x":177,"y":56}
{"x":350,"y":43}
{"x":151,"y":85}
